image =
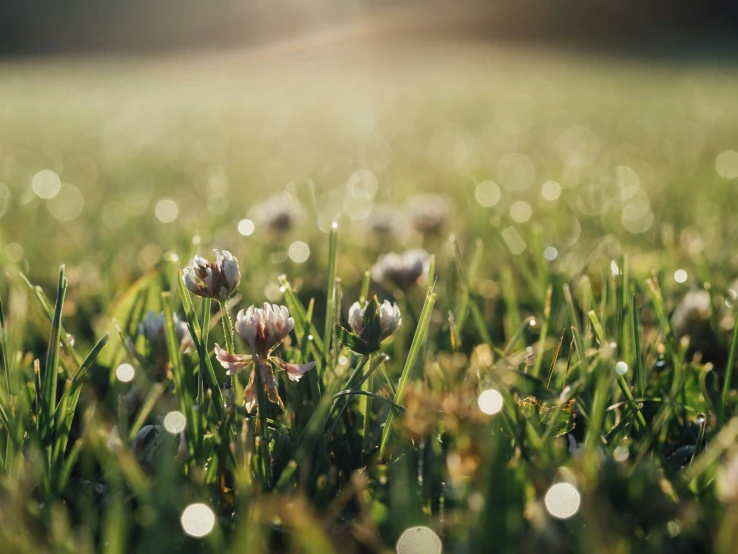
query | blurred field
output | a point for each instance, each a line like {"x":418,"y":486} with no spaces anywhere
{"x":220,"y":133}
{"x":561,"y":164}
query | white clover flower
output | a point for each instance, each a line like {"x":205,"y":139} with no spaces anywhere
{"x":402,"y":269}
{"x":153,"y":329}
{"x":213,"y":280}
{"x":428,"y":212}
{"x":390,"y":318}
{"x":727,"y":478}
{"x":693,"y":313}
{"x":147,"y":444}
{"x":262,"y":330}
{"x":279,"y":212}
{"x":356,"y":318}
{"x":383,"y":219}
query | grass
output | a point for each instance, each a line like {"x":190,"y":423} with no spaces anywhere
{"x":536,"y":291}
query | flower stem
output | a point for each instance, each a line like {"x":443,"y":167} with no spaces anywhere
{"x":263,"y":431}
{"x":227,"y":326}
{"x":228,"y":332}
{"x":205,"y":318}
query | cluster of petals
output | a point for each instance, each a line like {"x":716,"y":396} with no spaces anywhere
{"x":153,"y":329}
{"x":278,"y":213}
{"x":262,"y":330}
{"x":390,"y":318}
{"x":217,"y":279}
{"x":404,"y":269}
{"x":428,"y":212}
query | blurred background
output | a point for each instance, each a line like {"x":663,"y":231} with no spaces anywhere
{"x":87,"y":26}
{"x":135,"y":133}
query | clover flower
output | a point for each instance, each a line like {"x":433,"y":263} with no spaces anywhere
{"x":278,"y":212}
{"x":157,"y":361}
{"x":383,"y":219}
{"x":262,"y":330}
{"x":693,"y":313}
{"x":428,"y":212}
{"x":370,"y":325}
{"x":692,"y":318}
{"x":213,"y":280}
{"x":404,"y":269}
{"x":390,"y":318}
{"x":153,"y":329}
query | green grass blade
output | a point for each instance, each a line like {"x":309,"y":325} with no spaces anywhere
{"x":330,"y":307}
{"x":365,"y":282}
{"x":206,"y":367}
{"x":639,"y":375}
{"x":303,"y":323}
{"x":146,"y":408}
{"x":723,"y":409}
{"x":544,"y":332}
{"x":48,"y":391}
{"x":49,"y":311}
{"x":3,"y":342}
{"x":421,"y":333}
{"x":184,"y":381}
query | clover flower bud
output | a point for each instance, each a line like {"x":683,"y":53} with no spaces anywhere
{"x":213,"y":280}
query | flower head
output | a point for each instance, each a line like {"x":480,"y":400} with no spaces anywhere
{"x":213,"y":280}
{"x":156,"y":359}
{"x":279,"y":213}
{"x":428,"y":212}
{"x":371,"y":324}
{"x":383,"y":219}
{"x":153,"y":330}
{"x":390,"y":318}
{"x":402,"y":269}
{"x":693,"y":313}
{"x":389,"y":315}
{"x":262,"y":330}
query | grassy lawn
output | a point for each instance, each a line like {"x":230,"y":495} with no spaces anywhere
{"x":561,"y":377}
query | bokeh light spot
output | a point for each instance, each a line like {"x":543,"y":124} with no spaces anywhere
{"x":419,"y":540}
{"x":46,"y":184}
{"x":521,"y":211}
{"x":166,"y":210}
{"x":680,"y":276}
{"x":175,"y":422}
{"x":621,"y":453}
{"x":490,"y":401}
{"x":246,"y":227}
{"x":487,"y":194}
{"x":562,"y":500}
{"x":14,"y":252}
{"x":198,"y":520}
{"x":726,"y":164}
{"x":551,"y":190}
{"x":363,"y":184}
{"x":67,"y":204}
{"x":299,"y":252}
{"x":125,"y":373}
{"x":513,"y":240}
